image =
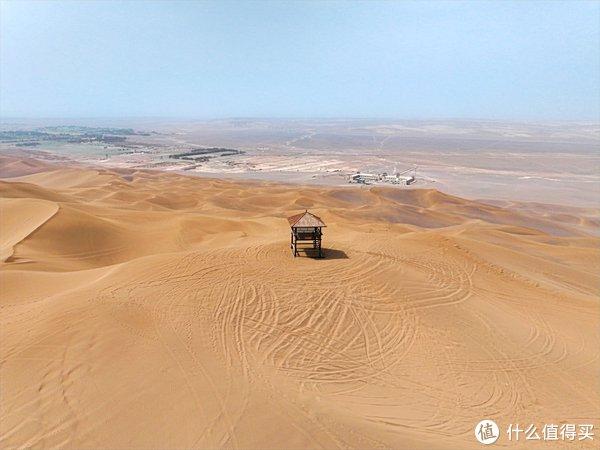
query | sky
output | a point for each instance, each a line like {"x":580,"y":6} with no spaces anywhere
{"x":201,"y":59}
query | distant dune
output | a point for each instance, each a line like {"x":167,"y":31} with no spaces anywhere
{"x":143,"y":309}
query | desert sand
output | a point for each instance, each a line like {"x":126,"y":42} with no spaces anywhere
{"x":151,"y":310}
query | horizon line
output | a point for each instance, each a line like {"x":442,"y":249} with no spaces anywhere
{"x":595,"y":121}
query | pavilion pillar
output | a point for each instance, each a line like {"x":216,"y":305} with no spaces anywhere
{"x":295,"y":238}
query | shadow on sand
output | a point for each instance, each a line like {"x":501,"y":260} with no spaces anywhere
{"x":328,"y":253}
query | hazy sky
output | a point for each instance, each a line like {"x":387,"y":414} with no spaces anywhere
{"x":522,"y":60}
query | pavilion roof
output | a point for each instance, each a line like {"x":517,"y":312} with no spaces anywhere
{"x":305,"y":219}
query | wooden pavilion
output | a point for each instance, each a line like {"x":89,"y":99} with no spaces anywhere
{"x":306,"y":232}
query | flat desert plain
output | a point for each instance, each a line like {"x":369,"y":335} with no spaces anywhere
{"x":144,"y":309}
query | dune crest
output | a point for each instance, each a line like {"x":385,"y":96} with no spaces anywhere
{"x":152,"y":310}
{"x":19,"y":217}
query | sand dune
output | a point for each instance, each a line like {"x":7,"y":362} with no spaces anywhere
{"x":21,"y":217}
{"x":151,"y":310}
{"x":16,"y":166}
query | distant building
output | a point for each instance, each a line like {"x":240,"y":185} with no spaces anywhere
{"x":370,"y":178}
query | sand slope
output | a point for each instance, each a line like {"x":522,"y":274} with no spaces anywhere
{"x":149,"y":310}
{"x":19,"y":217}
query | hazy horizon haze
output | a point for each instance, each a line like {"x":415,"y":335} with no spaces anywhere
{"x":525,"y":61}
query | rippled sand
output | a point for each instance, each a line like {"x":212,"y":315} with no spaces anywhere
{"x":151,"y":310}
